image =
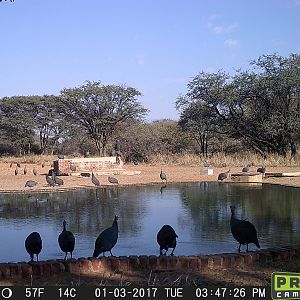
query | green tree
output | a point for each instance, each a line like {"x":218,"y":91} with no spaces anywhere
{"x":49,"y":123}
{"x":199,"y":122}
{"x":17,"y":115}
{"x":261,"y":106}
{"x":141,"y":140}
{"x":99,"y":109}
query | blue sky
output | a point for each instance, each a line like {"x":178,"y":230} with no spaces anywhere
{"x":154,"y":46}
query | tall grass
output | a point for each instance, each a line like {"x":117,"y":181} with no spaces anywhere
{"x":215,"y":160}
{"x":221,"y":159}
{"x":29,"y":159}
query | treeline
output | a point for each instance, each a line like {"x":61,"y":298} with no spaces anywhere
{"x":256,"y":109}
{"x":260,"y":107}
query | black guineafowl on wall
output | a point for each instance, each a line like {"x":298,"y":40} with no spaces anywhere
{"x":166,"y":238}
{"x":243,"y":231}
{"x":66,"y":240}
{"x":107,"y":239}
{"x":33,"y":245}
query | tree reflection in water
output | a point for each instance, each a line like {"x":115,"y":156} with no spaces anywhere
{"x":199,"y":213}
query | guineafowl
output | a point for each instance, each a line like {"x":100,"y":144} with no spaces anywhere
{"x":223,"y":176}
{"x":261,"y":170}
{"x":49,"y":180}
{"x":85,"y":174}
{"x":30,"y":183}
{"x":107,"y":239}
{"x":166,"y":238}
{"x":246,"y":168}
{"x":112,"y":180}
{"x":33,"y":245}
{"x":163,"y":176}
{"x":95,"y":180}
{"x":243,"y":231}
{"x":58,"y":181}
{"x":66,"y":240}
{"x":34,"y":171}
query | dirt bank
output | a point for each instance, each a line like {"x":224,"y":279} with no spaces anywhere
{"x":149,"y":175}
{"x":257,"y":274}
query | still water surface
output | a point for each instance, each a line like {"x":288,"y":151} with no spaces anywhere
{"x":199,"y":213}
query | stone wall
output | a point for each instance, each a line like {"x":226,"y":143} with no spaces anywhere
{"x":98,"y":165}
{"x":105,"y":265}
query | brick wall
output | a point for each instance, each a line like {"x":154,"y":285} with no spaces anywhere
{"x":94,"y":164}
{"x":136,"y":263}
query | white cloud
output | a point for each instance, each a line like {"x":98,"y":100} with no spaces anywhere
{"x":224,"y":29}
{"x":231,"y":43}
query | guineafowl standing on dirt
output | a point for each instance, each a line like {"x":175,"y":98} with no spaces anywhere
{"x":223,"y":176}
{"x":50,"y":181}
{"x":112,"y":180}
{"x":57,"y":180}
{"x":243,"y":231}
{"x":33,"y":245}
{"x":34,"y":171}
{"x":163,"y":176}
{"x":95,"y":180}
{"x":107,"y":239}
{"x":30,"y":183}
{"x":246,"y":168}
{"x":261,"y":170}
{"x":66,"y":240}
{"x":166,"y":238}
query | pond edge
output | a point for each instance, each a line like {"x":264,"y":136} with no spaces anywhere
{"x":120,"y":264}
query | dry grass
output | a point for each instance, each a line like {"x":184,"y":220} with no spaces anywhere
{"x":219,"y":159}
{"x":215,"y":160}
{"x":28,"y":159}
